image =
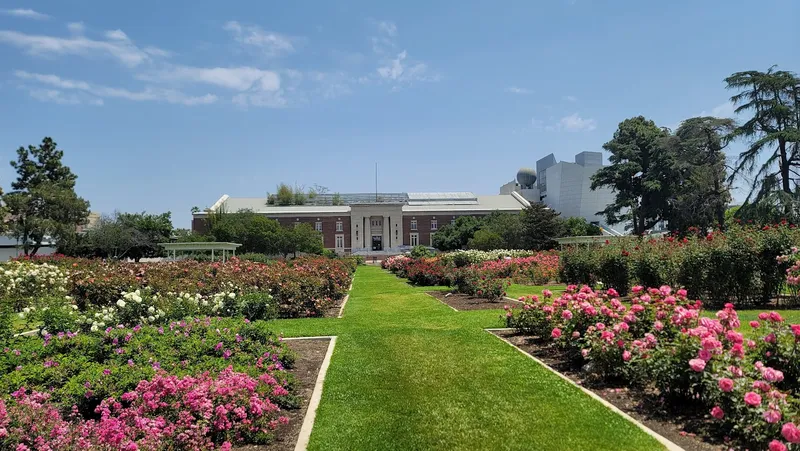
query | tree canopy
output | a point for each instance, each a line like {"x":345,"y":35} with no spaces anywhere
{"x":43,"y":204}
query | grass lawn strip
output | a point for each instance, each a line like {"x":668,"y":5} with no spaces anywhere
{"x":663,"y":440}
{"x":409,"y":373}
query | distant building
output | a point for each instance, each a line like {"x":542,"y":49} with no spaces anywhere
{"x":371,"y":223}
{"x":565,"y":187}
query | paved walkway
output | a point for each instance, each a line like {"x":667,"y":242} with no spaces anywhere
{"x":409,"y":373}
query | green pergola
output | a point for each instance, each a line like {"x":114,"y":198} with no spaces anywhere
{"x":212,"y":246}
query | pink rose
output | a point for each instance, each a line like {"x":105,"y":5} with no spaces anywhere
{"x":791,"y":433}
{"x":763,"y":316}
{"x":566,"y":314}
{"x":755,"y":324}
{"x":556,"y":333}
{"x":752,"y":399}
{"x":717,"y":413}
{"x":796,"y":330}
{"x":772,"y":375}
{"x":584,"y":353}
{"x":772,"y":416}
{"x":776,"y":446}
{"x":600,"y":326}
{"x":699,"y":365}
{"x":704,"y":355}
{"x":626,"y":355}
{"x":682,"y":293}
{"x":726,"y":384}
{"x":658,"y":325}
{"x":776,"y":317}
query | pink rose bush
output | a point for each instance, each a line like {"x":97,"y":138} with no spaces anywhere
{"x":168,"y":412}
{"x":663,"y":340}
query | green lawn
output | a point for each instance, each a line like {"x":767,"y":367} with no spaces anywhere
{"x":409,"y":373}
{"x":516,"y":290}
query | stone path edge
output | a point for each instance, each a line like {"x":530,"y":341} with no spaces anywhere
{"x":661,"y":439}
{"x":304,"y":436}
{"x":341,"y":309}
{"x":441,"y":301}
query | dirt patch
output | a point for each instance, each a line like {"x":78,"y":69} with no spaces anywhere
{"x":688,"y":428}
{"x":465,"y":302}
{"x":333,"y":311}
{"x":310,"y":354}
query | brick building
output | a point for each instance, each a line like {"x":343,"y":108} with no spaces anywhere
{"x":382,"y":223}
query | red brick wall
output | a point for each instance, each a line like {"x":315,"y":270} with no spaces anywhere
{"x":199,"y":225}
{"x":424,"y":226}
{"x":328,"y":227}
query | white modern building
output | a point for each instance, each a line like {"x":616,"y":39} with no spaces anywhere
{"x":566,"y":187}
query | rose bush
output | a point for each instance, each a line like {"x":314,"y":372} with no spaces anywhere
{"x":662,"y":340}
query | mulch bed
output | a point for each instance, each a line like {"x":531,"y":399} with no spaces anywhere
{"x":464,"y":302}
{"x":310,"y":354}
{"x":333,"y":311}
{"x":686,"y":428}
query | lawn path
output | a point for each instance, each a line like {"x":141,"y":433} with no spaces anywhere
{"x":409,"y":373}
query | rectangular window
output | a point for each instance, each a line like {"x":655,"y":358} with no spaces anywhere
{"x":415,"y":239}
{"x":339,"y":241}
{"x":318,"y":226}
{"x":452,"y":222}
{"x":413,"y":224}
{"x":434,"y":224}
{"x":339,"y":226}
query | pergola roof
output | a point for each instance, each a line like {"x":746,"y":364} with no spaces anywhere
{"x":200,"y":246}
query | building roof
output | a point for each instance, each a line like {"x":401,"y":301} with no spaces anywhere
{"x":413,"y":202}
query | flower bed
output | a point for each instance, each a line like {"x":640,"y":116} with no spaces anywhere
{"x":197,"y":384}
{"x":101,"y":293}
{"x":662,"y":342}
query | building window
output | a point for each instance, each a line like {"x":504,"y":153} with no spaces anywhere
{"x":339,"y":226}
{"x":452,"y":222}
{"x":413,"y":224}
{"x":318,"y":226}
{"x":415,"y":239}
{"x":434,"y":224}
{"x":339,"y":241}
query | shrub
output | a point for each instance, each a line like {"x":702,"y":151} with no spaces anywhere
{"x":420,"y":252}
{"x":426,"y":272}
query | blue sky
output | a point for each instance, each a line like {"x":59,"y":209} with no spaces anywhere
{"x":168,"y":105}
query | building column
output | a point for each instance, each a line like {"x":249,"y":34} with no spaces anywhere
{"x":387,"y":230}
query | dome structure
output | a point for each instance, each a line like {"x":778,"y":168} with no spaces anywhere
{"x":526,"y":177}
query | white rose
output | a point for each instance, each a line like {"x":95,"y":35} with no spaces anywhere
{"x":151,"y":318}
{"x":151,"y":309}
{"x":121,"y":303}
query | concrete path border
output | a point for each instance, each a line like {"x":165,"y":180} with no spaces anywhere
{"x":663,"y":440}
{"x":445,"y":303}
{"x":349,"y":290}
{"x":304,"y":436}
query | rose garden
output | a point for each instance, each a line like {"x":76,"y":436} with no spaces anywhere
{"x":662,"y":342}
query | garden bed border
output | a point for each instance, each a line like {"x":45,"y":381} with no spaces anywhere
{"x":304,"y":436}
{"x":661,"y":439}
{"x":346,"y":297}
{"x":442,"y":302}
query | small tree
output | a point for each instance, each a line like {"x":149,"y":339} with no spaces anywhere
{"x":285,"y":195}
{"x":486,"y":240}
{"x":578,"y":226}
{"x":148,"y":230}
{"x":540,"y":225}
{"x":43,"y":203}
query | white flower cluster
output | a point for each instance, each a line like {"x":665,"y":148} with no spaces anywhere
{"x":475,"y":256}
{"x":205,"y":304}
{"x":23,"y":280}
{"x":99,"y":320}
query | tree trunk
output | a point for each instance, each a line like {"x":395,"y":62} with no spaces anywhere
{"x":786,"y":186}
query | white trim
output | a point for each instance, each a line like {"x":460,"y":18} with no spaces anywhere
{"x":520,"y":199}
{"x":311,"y":413}
{"x":445,"y":303}
{"x":663,"y":440}
{"x":346,"y":298}
{"x":219,"y":203}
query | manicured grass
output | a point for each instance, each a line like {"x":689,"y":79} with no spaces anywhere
{"x":410,"y":373}
{"x":516,"y":290}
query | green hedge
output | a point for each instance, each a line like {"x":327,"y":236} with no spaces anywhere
{"x":736,"y":266}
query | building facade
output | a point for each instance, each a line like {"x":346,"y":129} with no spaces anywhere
{"x":565,"y":187}
{"x":383,"y":223}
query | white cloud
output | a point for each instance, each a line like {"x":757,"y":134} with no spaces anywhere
{"x":571,"y":123}
{"x":54,"y":96}
{"x":575,"y":123}
{"x":235,"y":78}
{"x":260,"y":99}
{"x":268,"y":42}
{"x":387,"y":27}
{"x":724,"y":110}
{"x":24,"y":13}
{"x":98,"y":92}
{"x":518,"y":90}
{"x":116,"y":35}
{"x":398,"y":70}
{"x":122,"y":50}
{"x":76,"y":27}
{"x":571,"y":98}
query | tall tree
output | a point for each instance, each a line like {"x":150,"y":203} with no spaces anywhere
{"x":540,"y":226}
{"x":639,"y":175}
{"x":450,"y":237}
{"x":149,"y":230}
{"x":772,"y":99}
{"x":43,"y":204}
{"x":578,"y":226}
{"x":701,"y":193}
